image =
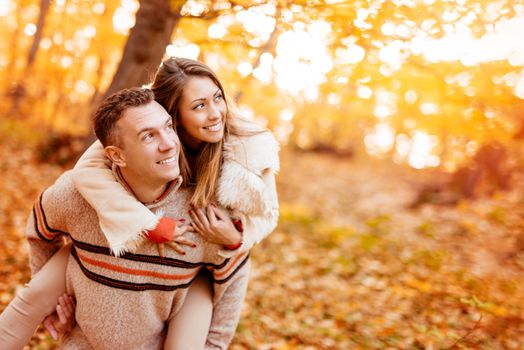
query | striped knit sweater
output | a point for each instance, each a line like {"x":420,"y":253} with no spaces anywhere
{"x":123,"y":303}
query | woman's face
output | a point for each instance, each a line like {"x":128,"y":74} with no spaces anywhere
{"x":201,"y":113}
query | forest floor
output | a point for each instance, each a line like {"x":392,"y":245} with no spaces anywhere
{"x":350,"y":265}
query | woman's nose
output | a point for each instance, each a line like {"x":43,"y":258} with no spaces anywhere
{"x":214,"y":112}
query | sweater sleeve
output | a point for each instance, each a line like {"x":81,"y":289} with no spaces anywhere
{"x":227,"y":307}
{"x":46,"y":229}
{"x":123,"y":219}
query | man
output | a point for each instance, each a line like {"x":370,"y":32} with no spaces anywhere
{"x":125,"y":302}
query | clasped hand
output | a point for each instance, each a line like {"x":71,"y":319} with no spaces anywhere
{"x":177,"y":241}
{"x":215,"y":225}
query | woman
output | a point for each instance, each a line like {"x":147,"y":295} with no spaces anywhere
{"x":226,"y":159}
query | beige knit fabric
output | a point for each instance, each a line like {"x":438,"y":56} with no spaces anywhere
{"x":124,"y":303}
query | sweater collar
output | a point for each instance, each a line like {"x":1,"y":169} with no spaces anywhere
{"x":172,"y":187}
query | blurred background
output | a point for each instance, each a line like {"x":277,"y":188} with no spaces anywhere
{"x":401,"y":126}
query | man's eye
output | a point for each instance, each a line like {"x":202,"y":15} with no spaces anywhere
{"x":148,"y":137}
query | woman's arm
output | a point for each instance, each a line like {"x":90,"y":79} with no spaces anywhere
{"x":123,"y":219}
{"x":247,"y":186}
{"x":239,"y":232}
{"x":257,"y":227}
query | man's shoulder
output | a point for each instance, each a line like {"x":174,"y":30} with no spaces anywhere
{"x":64,"y":183}
{"x":64,"y":190}
{"x":60,"y":205}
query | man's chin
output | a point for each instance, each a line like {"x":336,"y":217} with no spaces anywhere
{"x":173,"y":175}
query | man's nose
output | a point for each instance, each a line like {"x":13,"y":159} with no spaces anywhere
{"x":168,"y":141}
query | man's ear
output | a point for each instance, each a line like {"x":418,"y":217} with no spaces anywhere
{"x":116,"y":155}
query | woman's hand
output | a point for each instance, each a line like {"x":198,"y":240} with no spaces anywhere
{"x":215,"y":225}
{"x":178,"y":240}
{"x":62,"y":320}
{"x":170,"y":232}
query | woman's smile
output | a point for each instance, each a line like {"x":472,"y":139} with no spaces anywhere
{"x":214,"y":127}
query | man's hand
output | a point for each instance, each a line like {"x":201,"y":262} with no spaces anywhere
{"x":62,"y":320}
{"x":215,"y":225}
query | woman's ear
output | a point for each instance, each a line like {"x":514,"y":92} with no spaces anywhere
{"x":116,"y":155}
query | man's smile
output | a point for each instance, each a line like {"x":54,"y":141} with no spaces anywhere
{"x":168,"y":160}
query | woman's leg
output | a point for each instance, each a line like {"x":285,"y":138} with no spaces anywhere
{"x":35,"y":301}
{"x":188,"y":329}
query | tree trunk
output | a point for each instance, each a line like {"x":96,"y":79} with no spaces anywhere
{"x":44,"y":7}
{"x":17,"y":91}
{"x":154,"y":24}
{"x":146,"y":44}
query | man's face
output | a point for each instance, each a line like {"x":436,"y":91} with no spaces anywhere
{"x":149,"y":145}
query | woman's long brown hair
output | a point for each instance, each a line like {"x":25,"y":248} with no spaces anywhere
{"x":168,"y":86}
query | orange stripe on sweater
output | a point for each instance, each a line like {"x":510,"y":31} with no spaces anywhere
{"x":222,"y":273}
{"x":135,"y":271}
{"x":40,"y":218}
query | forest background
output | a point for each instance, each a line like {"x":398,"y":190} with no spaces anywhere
{"x":401,"y":124}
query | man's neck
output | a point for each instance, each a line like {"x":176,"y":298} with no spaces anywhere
{"x":145,"y":192}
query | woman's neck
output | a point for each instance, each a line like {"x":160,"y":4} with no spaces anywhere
{"x":192,"y":152}
{"x":191,"y":158}
{"x":192,"y":146}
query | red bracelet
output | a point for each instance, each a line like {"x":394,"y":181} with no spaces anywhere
{"x":163,"y":232}
{"x":240,"y":228}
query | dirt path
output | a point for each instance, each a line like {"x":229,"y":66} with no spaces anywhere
{"x":481,"y":234}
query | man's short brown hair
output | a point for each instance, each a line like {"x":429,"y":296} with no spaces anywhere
{"x":113,"y":108}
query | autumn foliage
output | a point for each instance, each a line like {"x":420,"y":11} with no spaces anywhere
{"x":401,"y":123}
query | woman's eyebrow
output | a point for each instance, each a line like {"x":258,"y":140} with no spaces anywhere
{"x":203,"y":98}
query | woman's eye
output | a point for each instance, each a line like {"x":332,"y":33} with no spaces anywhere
{"x":218,"y":97}
{"x":199,"y":106}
